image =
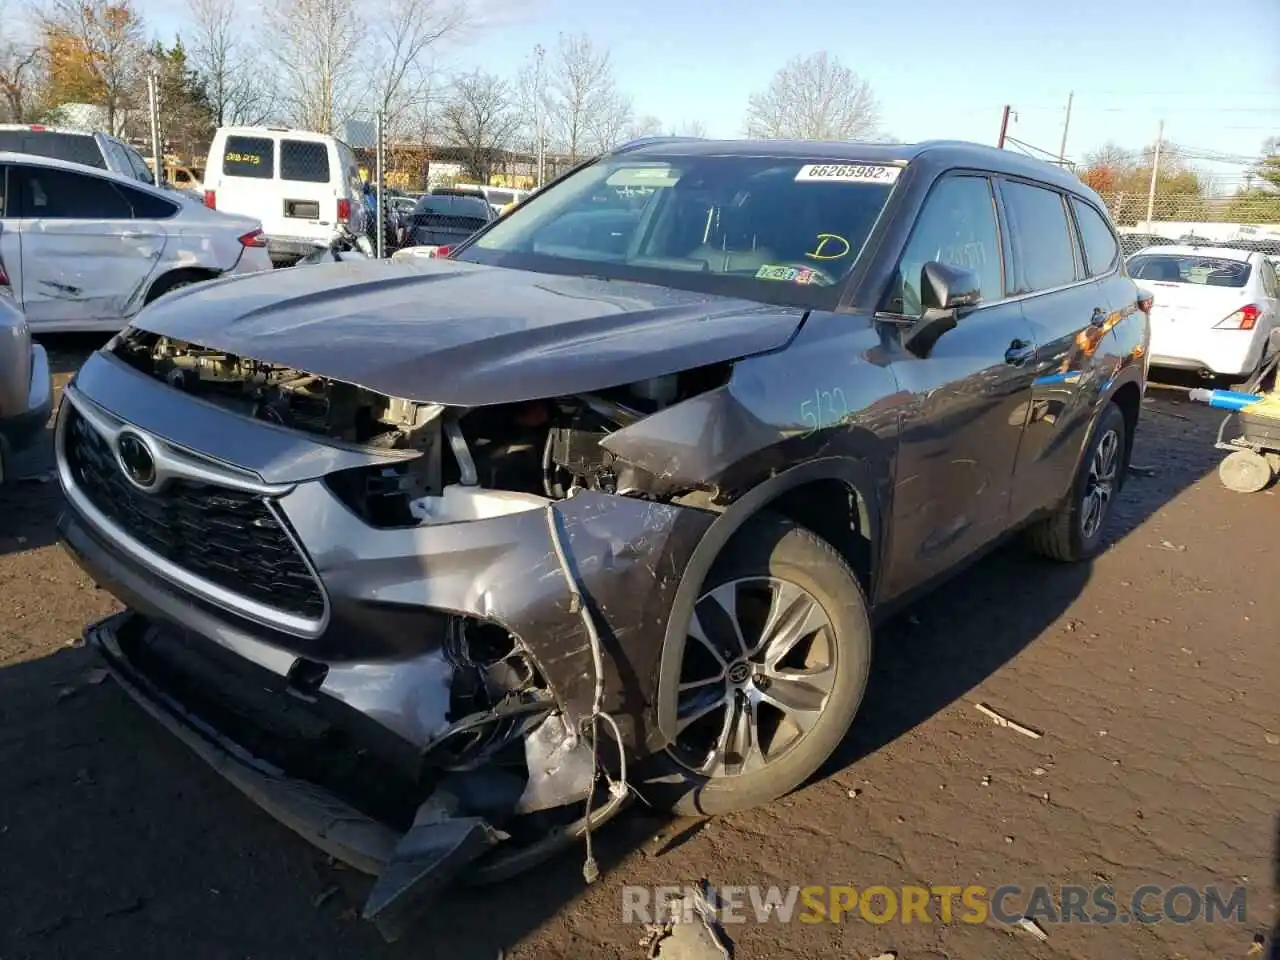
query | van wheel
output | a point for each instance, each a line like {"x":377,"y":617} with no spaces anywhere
{"x":1074,"y":531}
{"x":774,"y":668}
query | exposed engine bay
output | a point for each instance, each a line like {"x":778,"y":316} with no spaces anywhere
{"x":546,"y":448}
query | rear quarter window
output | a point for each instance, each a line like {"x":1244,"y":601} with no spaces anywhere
{"x":147,"y":207}
{"x":304,"y":160}
{"x":1100,"y":247}
{"x":249,"y":157}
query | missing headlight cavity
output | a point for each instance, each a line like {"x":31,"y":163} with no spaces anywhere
{"x":470,"y":464}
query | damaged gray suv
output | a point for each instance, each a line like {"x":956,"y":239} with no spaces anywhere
{"x":441,"y":561}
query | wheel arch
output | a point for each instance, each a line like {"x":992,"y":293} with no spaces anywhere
{"x":165,"y":281}
{"x":828,"y":496}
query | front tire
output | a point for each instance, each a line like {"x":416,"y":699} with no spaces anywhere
{"x":774,"y":669}
{"x":1074,"y":531}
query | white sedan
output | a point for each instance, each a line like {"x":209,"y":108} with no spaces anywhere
{"x":1216,"y":311}
{"x":85,"y":249}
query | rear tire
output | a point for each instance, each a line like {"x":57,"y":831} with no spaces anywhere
{"x":791,"y":695}
{"x":1074,"y":531}
{"x":169,"y":283}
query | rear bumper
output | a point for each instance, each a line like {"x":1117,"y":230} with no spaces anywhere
{"x":1220,"y":352}
{"x":287,"y":250}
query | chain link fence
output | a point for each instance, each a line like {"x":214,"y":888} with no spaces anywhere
{"x":1250,"y":220}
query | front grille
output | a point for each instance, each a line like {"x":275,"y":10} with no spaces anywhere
{"x":228,"y":537}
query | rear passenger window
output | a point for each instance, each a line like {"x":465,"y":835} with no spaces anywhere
{"x":64,"y":195}
{"x":249,"y":157}
{"x":304,"y":160}
{"x":957,"y":226}
{"x":1045,"y":240}
{"x":1100,"y":247}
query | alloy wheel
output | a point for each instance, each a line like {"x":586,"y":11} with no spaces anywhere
{"x":759,"y":667}
{"x":1100,"y":485}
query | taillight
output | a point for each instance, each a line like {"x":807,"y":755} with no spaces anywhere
{"x":1246,"y":318}
{"x":4,"y":277}
{"x":443,"y":251}
{"x":211,"y":199}
{"x":253,"y":239}
{"x":344,"y":211}
{"x":38,"y":127}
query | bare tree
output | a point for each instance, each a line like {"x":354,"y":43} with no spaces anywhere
{"x":689,"y":128}
{"x":20,"y":69}
{"x":402,"y":40}
{"x":645,"y":126}
{"x":586,"y":108}
{"x":610,"y":122}
{"x":111,"y":36}
{"x":481,"y":119}
{"x":814,"y":98}
{"x":316,"y":44}
{"x":533,"y":103}
{"x":227,"y":64}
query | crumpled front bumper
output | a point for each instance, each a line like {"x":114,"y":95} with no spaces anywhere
{"x":447,"y":839}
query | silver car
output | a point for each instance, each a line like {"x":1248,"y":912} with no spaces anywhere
{"x":26,"y":386}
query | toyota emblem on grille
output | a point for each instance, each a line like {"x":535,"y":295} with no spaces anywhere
{"x":136,"y":461}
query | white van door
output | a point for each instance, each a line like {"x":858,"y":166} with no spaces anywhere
{"x":312,"y":198}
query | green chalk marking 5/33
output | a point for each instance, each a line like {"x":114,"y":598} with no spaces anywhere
{"x":826,"y":409}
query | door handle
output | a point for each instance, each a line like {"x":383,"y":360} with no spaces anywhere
{"x":1019,"y":352}
{"x":1099,"y":317}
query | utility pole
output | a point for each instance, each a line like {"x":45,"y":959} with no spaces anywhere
{"x":1155,"y":171}
{"x":1004,"y":126}
{"x":377,"y":185}
{"x":539,"y":53}
{"x":153,"y":103}
{"x":1066,"y":125}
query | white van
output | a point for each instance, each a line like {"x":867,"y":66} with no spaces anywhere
{"x":303,"y":186}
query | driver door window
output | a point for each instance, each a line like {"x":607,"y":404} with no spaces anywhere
{"x":957,"y":226}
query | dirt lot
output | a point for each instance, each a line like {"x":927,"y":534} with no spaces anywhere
{"x":1153,"y":673}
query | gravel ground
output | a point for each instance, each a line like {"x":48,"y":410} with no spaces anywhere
{"x":1152,"y":672}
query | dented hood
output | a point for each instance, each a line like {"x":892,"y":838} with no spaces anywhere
{"x":464,"y":334}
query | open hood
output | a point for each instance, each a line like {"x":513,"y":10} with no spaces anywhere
{"x":457,"y":333}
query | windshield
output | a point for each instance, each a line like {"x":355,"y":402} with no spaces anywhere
{"x":767,"y":228}
{"x":501,"y":197}
{"x":1185,"y":268}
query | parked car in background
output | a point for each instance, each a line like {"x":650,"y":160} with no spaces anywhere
{"x":1215,"y":309}
{"x":443,"y":220}
{"x":26,"y":385}
{"x":635,"y":469}
{"x":85,"y":249}
{"x":75,"y":146}
{"x":305,"y":187}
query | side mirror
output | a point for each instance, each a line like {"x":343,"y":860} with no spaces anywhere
{"x":944,"y":291}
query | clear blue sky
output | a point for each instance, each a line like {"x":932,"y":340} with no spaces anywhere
{"x":939,"y":68}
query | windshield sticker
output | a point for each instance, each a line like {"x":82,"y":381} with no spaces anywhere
{"x":772,"y":271}
{"x":830,"y":246}
{"x":849,"y":172}
{"x":650,"y":176}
